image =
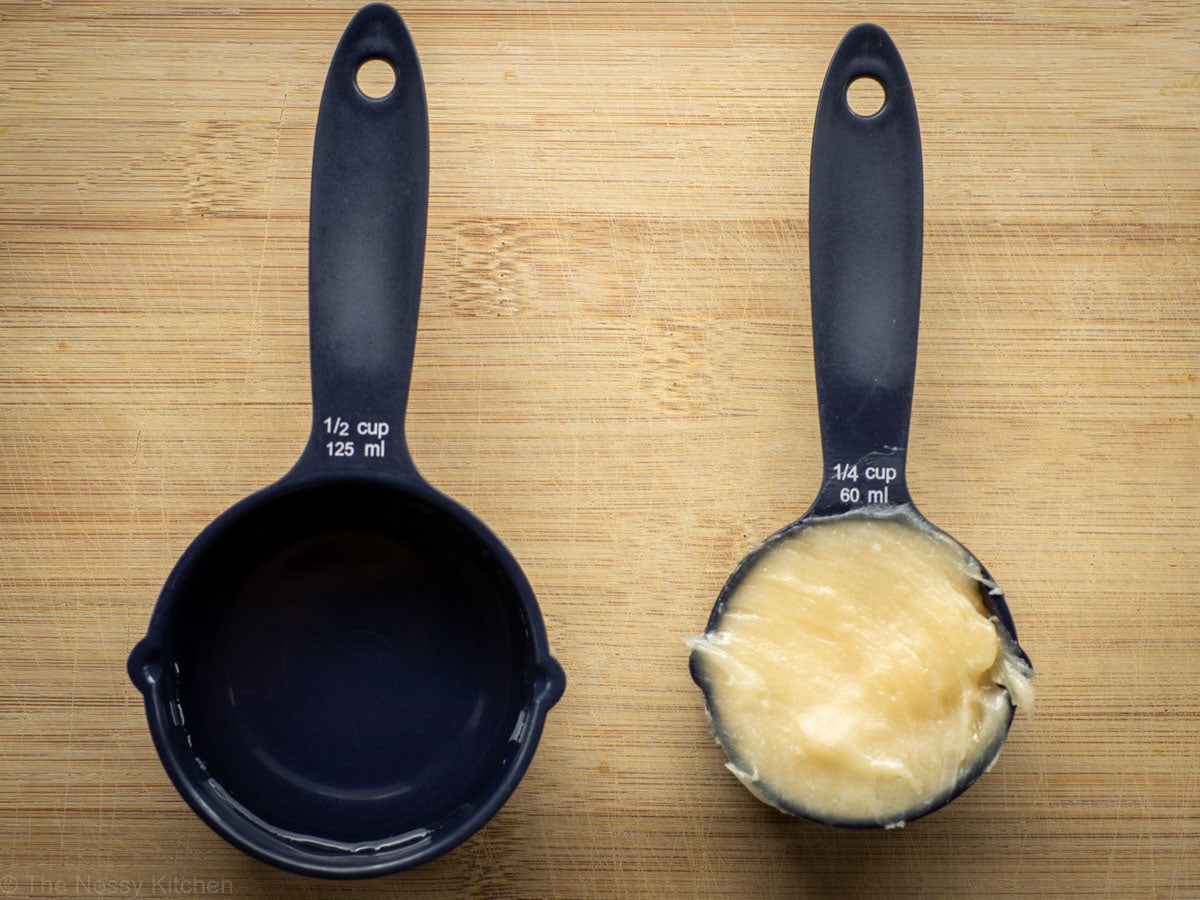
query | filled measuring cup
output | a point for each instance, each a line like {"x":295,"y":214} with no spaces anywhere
{"x":861,"y":668}
{"x":347,"y":673}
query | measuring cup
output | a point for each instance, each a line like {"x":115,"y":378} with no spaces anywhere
{"x":346,"y":674}
{"x":865,"y":247}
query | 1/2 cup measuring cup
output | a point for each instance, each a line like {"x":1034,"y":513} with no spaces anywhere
{"x":347,"y":674}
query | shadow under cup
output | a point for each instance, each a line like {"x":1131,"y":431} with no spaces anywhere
{"x":346,"y":667}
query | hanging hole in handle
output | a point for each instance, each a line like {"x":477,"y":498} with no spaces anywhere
{"x":865,"y":96}
{"x":376,"y":78}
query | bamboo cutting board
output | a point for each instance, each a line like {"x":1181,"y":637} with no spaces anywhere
{"x":614,"y":371}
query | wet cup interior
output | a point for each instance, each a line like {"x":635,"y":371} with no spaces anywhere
{"x":346,"y":666}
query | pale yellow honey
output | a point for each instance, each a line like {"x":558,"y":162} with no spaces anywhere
{"x":856,"y":673}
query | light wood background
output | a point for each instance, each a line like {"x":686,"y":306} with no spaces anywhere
{"x":614,"y":371}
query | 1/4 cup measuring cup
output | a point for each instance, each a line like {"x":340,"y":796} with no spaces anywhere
{"x":347,"y":674}
{"x":860,"y":668}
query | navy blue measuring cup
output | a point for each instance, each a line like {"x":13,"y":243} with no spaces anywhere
{"x":866,"y":221}
{"x":347,"y":674}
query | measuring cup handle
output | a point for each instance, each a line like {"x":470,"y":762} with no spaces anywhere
{"x":865,"y":231}
{"x":369,"y":195}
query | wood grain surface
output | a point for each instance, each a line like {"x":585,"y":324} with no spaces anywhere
{"x":613,"y":370}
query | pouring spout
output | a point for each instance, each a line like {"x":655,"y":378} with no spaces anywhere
{"x":145,"y":665}
{"x":549,"y":683}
